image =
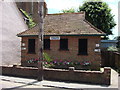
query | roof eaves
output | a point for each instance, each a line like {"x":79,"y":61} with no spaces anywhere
{"x":65,"y":35}
{"x":20,"y":34}
{"x":93,"y":26}
{"x":78,"y":35}
{"x":27,"y":35}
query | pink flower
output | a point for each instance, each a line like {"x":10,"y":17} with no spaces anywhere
{"x":36,"y":59}
{"x":55,"y":61}
{"x":60,"y":60}
{"x":50,"y":63}
{"x":46,"y":62}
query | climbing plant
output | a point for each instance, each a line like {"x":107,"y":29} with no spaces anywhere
{"x":30,"y":21}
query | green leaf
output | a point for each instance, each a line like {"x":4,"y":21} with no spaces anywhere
{"x":99,"y":14}
{"x":31,"y":23}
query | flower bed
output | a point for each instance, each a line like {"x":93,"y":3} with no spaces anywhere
{"x":61,"y":64}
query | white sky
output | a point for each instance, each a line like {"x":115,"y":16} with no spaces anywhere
{"x":63,"y":4}
{"x":55,"y":6}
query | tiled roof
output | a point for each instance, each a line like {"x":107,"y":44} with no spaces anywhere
{"x":65,"y":24}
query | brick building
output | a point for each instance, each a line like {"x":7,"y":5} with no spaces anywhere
{"x":67,"y":36}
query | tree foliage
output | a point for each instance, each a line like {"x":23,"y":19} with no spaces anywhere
{"x":30,"y":21}
{"x":99,"y":14}
{"x":71,"y":10}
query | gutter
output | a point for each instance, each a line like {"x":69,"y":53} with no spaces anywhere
{"x":64,"y":35}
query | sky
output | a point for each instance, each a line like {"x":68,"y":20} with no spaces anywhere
{"x":56,"y":6}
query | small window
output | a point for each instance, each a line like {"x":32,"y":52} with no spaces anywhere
{"x":46,"y":44}
{"x":82,"y":47}
{"x":63,"y":44}
{"x":31,"y":45}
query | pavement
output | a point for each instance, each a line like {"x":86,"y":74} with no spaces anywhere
{"x":17,"y":83}
{"x":119,"y":82}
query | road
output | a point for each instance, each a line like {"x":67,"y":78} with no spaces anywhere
{"x":17,"y":83}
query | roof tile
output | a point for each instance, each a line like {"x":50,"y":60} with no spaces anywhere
{"x":64,"y":24}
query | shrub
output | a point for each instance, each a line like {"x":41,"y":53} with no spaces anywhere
{"x":47,"y":57}
{"x":112,"y":48}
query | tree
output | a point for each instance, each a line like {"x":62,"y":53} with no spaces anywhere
{"x":71,"y":10}
{"x":98,"y":14}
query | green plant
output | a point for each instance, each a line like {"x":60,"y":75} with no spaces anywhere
{"x":32,"y":60}
{"x":98,"y":13}
{"x":30,"y":23}
{"x":47,"y":57}
{"x":48,"y":65}
{"x":71,"y":10}
{"x":112,"y":48}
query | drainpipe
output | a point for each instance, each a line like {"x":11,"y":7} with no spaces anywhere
{"x":40,"y":39}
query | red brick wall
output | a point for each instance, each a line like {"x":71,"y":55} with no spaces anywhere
{"x":93,"y":77}
{"x":71,"y":54}
{"x":24,"y":53}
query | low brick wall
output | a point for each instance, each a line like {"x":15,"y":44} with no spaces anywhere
{"x":93,"y":77}
{"x":20,"y":71}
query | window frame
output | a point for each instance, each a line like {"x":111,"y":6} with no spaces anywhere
{"x":44,"y":45}
{"x":86,"y":49}
{"x":30,"y":51}
{"x":61,"y":43}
